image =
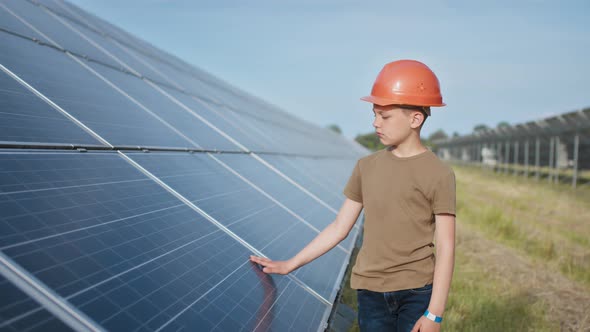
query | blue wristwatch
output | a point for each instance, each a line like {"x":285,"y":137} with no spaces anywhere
{"x":432,"y":316}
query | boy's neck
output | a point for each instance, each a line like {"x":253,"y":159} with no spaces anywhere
{"x":411,"y":147}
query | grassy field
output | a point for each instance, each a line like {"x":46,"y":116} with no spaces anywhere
{"x":522,"y":257}
{"x":563,"y":174}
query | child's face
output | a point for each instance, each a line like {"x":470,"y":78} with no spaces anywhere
{"x":392,"y":124}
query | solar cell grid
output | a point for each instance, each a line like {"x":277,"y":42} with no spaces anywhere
{"x":185,"y":120}
{"x":14,"y":303}
{"x":249,"y":300}
{"x":127,"y":253}
{"x":56,"y":32}
{"x":331,"y":172}
{"x":99,"y":46}
{"x":296,"y":170}
{"x":10,"y":22}
{"x":292,"y":197}
{"x":245,"y":211}
{"x":26,"y":118}
{"x":227,"y":121}
{"x":75,"y":15}
{"x":85,"y":96}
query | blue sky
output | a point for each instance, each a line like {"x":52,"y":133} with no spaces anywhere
{"x":511,"y":61}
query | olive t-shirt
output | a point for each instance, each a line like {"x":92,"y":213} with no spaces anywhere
{"x":400,"y":197}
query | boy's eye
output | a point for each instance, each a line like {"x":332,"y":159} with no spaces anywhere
{"x":385,"y":117}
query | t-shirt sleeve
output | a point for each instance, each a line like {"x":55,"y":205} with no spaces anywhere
{"x":353,"y":189}
{"x":444,"y":195}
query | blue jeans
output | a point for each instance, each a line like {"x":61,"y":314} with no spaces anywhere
{"x":395,"y":311}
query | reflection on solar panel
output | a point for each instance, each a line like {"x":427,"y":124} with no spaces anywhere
{"x":134,"y":187}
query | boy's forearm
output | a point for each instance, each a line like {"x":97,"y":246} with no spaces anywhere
{"x":322,"y":243}
{"x":443,"y":273}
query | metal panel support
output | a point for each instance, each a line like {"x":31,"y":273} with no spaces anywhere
{"x":550,"y":168}
{"x":507,"y":157}
{"x":576,"y":148}
{"x":556,"y":163}
{"x":499,"y":158}
{"x":516,"y":164}
{"x":537,"y":157}
{"x":526,"y":158}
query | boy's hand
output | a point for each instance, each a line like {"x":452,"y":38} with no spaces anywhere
{"x":270,"y":266}
{"x":426,"y":325}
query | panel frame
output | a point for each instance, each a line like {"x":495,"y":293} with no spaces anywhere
{"x":47,"y":298}
{"x":55,"y":106}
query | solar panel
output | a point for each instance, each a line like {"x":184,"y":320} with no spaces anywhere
{"x":55,"y":31}
{"x":112,"y":242}
{"x":254,"y":216}
{"x":318,"y":183}
{"x":26,"y":118}
{"x":85,"y":96}
{"x":185,"y":120}
{"x":108,"y":237}
{"x":14,"y":303}
{"x":224,"y":119}
{"x":9,"y":23}
{"x":310,"y":209}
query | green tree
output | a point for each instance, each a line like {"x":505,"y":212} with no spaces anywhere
{"x":480,"y":127}
{"x":335,"y":128}
{"x":503,"y":124}
{"x":431,"y":140}
{"x":438,"y":135}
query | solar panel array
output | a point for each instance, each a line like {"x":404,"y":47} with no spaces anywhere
{"x":548,"y":145}
{"x":134,"y":187}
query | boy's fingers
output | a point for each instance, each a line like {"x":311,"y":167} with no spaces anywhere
{"x":268,"y":265}
{"x":263,"y":261}
{"x":259,"y":259}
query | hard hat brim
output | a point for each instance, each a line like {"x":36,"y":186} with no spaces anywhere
{"x":387,"y":101}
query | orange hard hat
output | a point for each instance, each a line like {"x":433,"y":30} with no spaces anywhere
{"x":406,"y":82}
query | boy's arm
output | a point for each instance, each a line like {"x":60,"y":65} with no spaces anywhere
{"x":334,"y":233}
{"x":445,"y":262}
{"x":443,"y":270}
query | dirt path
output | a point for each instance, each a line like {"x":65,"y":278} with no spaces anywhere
{"x":568,"y":303}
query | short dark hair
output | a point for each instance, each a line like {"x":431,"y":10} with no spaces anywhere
{"x":425,"y":110}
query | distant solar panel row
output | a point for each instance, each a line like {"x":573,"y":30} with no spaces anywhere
{"x":118,"y":239}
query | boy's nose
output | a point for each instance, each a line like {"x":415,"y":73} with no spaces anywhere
{"x":376,"y":123}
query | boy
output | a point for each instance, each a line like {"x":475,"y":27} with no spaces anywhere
{"x":407,"y":194}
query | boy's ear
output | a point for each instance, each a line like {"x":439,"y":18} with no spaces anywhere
{"x":416,"y":119}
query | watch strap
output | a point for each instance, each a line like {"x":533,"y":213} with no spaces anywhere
{"x":432,"y":317}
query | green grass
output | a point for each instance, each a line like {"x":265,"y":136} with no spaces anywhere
{"x":499,"y":226}
{"x":564,"y":174}
{"x":481,"y":302}
{"x":535,"y":218}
